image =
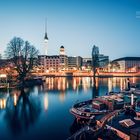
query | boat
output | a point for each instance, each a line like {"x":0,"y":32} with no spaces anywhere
{"x":97,"y":106}
{"x":88,"y":109}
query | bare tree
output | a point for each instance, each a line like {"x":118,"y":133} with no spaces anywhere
{"x":23,"y":55}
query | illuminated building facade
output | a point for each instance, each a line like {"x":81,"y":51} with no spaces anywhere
{"x":54,"y":63}
{"x":49,"y":63}
{"x":63,"y":59}
{"x":103,"y":61}
{"x":62,"y":62}
{"x":74,"y":63}
{"x":128,"y":64}
{"x":87,"y":63}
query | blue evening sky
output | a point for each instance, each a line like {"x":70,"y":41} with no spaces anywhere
{"x":113,"y":25}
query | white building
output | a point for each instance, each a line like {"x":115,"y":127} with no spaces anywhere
{"x":128,"y":64}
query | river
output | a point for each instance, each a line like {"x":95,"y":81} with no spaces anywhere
{"x":42,"y":112}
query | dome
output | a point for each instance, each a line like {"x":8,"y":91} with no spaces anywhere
{"x":62,"y":47}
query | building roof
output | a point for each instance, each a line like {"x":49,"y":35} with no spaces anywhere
{"x":4,"y":62}
{"x":49,"y":56}
{"x":128,"y":58}
{"x":46,"y":37}
{"x":62,"y":47}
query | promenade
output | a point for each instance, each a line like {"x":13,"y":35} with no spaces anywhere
{"x":88,"y":74}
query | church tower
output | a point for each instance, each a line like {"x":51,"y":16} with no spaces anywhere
{"x":46,"y":39}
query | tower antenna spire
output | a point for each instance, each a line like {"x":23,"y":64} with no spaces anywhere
{"x":45,"y":25}
{"x":46,"y":37}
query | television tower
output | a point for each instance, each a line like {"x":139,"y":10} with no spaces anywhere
{"x":46,"y":38}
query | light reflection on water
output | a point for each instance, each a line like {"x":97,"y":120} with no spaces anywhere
{"x":42,"y":112}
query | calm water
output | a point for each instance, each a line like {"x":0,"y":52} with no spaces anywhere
{"x":43,"y":112}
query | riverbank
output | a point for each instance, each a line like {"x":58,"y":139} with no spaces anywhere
{"x":88,"y":74}
{"x":30,"y":82}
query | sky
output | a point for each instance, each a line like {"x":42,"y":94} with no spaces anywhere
{"x":112,"y":25}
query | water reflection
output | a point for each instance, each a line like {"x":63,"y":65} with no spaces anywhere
{"x":95,"y":88}
{"x":21,"y":111}
{"x":46,"y":102}
{"x":46,"y":108}
{"x":63,"y":83}
{"x":62,"y":96}
{"x":119,"y":82}
{"x":2,"y":103}
{"x":95,"y":91}
{"x":75,"y":126}
{"x":3,"y":100}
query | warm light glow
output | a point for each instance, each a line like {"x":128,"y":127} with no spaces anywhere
{"x":121,"y":84}
{"x":62,"y":96}
{"x":74,"y":84}
{"x":2,"y":103}
{"x":15,"y":99}
{"x":3,"y":75}
{"x":59,"y":85}
{"x":113,"y":69}
{"x":46,"y":102}
{"x":45,"y":40}
{"x":64,"y":84}
{"x":67,"y":85}
{"x":109,"y":85}
{"x":124,"y":84}
{"x":86,"y":83}
{"x":114,"y":82}
{"x":132,"y":99}
{"x":134,"y":79}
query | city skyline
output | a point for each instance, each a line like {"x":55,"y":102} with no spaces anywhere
{"x":112,"y":25}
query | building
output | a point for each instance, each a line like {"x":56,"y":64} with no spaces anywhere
{"x":103,"y":61}
{"x":61,"y":62}
{"x":128,"y":64}
{"x":95,"y":50}
{"x":46,"y":40}
{"x":52,"y":63}
{"x":74,"y":63}
{"x":63,"y":59}
{"x":49,"y":63}
{"x":86,"y":63}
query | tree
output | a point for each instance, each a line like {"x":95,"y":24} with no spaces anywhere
{"x":115,"y":66}
{"x":23,"y":55}
{"x":95,"y":61}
